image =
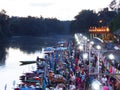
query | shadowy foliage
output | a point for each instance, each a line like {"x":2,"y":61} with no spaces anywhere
{"x":33,"y":26}
{"x":88,"y":18}
{"x":83,"y":21}
{"x":39,"y":26}
{"x":4,"y":20}
{"x":115,"y":24}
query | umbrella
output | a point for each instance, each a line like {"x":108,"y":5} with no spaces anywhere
{"x":116,"y":54}
{"x":60,"y":77}
{"x":61,"y":48}
{"x":61,"y":85}
{"x":49,"y":49}
{"x":61,"y":42}
{"x":97,"y":40}
{"x":37,"y":78}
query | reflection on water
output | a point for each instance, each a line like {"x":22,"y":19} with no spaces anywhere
{"x":21,"y":49}
{"x":30,"y":44}
{"x":11,"y":71}
{"x":3,"y":53}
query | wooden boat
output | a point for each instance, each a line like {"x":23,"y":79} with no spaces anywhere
{"x":31,"y":62}
{"x":27,"y":62}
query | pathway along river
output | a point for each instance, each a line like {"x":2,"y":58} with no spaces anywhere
{"x":22,"y":49}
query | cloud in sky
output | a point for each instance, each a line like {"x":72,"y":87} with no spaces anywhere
{"x":61,"y":9}
{"x":41,"y":4}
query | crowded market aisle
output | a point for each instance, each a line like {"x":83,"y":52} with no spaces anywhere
{"x":68,"y":66}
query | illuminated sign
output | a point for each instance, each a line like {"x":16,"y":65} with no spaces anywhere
{"x":99,"y":30}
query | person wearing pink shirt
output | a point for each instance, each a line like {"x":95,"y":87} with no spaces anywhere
{"x":105,"y":87}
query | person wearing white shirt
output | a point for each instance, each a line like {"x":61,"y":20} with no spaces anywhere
{"x":104,"y":80}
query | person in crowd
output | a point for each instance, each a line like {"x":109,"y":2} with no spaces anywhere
{"x":72,"y":86}
{"x":78,"y":82}
{"x":104,"y":80}
{"x":105,"y":87}
{"x":110,"y":87}
{"x":72,"y":78}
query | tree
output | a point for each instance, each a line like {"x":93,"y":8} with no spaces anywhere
{"x":83,"y":21}
{"x":106,"y":16}
{"x":113,"y":5}
{"x":115,"y":24}
{"x":36,"y":26}
{"x":4,"y":31}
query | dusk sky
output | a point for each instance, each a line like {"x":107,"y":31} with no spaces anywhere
{"x":61,"y":9}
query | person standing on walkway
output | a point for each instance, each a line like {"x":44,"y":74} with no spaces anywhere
{"x":105,"y":87}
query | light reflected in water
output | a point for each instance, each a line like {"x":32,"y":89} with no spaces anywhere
{"x":11,"y":71}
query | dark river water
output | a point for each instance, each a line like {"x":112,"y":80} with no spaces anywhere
{"x":22,"y":49}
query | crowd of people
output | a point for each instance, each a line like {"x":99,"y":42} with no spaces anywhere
{"x":66,"y":69}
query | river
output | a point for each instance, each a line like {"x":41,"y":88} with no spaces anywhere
{"x":21,"y":49}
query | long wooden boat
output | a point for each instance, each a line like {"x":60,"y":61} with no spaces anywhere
{"x":27,"y":62}
{"x":30,"y":62}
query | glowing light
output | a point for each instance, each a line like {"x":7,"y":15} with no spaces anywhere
{"x":96,"y":85}
{"x":81,"y":47}
{"x":100,"y":21}
{"x":111,"y":56}
{"x":85,"y":55}
{"x":98,"y":47}
{"x":92,"y":42}
{"x":99,"y":29}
